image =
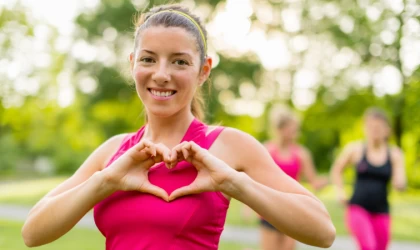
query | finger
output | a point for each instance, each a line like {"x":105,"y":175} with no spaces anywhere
{"x":151,"y":154}
{"x":142,"y":145}
{"x":196,"y":152}
{"x":152,"y":148}
{"x":196,"y":148}
{"x":171,"y":162}
{"x":160,"y":152}
{"x":142,"y":151}
{"x":185,"y":152}
{"x":176,"y":154}
{"x":163,"y":154}
{"x":147,"y":187}
{"x":183,"y":191}
{"x":149,"y":147}
{"x":163,"y":151}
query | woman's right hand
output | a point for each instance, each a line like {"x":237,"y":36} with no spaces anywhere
{"x":130,"y":171}
{"x":342,"y":198}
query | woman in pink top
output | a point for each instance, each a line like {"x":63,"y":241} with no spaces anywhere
{"x":168,"y":185}
{"x":294,"y":160}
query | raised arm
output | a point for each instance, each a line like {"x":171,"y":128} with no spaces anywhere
{"x":309,"y":170}
{"x":61,"y":209}
{"x":399,"y":181}
{"x":341,"y":162}
{"x":64,"y":206}
{"x":278,"y":198}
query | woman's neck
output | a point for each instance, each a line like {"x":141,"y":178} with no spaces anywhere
{"x":281,"y":143}
{"x":167,"y":130}
{"x":376,"y":144}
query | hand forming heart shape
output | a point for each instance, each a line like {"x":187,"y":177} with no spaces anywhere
{"x":130,"y":171}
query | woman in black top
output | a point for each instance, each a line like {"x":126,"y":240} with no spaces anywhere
{"x":376,"y":164}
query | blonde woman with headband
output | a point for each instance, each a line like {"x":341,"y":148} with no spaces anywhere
{"x":168,"y":185}
{"x":295,"y":160}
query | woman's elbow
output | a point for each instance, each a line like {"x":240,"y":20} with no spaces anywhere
{"x":322,"y":237}
{"x":28,"y":236}
{"x":328,"y":237}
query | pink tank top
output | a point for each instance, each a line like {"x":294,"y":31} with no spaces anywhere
{"x":134,"y":220}
{"x":290,"y":166}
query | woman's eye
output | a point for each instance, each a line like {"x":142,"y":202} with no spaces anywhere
{"x":146,"y":60}
{"x":181,"y":62}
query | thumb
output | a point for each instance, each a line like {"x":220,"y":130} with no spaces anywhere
{"x":182,"y":191}
{"x":155,"y":190}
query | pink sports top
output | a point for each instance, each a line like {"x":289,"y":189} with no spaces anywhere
{"x":290,"y":166}
{"x":136,"y":221}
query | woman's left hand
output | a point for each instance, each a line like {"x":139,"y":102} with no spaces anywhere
{"x":213,"y":173}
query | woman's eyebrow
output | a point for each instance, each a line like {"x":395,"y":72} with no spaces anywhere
{"x":148,"y":51}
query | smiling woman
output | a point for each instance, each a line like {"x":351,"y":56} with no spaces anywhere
{"x":169,"y":184}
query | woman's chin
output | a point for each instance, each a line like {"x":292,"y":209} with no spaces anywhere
{"x":161,"y":113}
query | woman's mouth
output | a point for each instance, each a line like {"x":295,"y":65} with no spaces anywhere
{"x":161,"y":94}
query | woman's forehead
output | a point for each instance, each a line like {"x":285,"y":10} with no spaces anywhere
{"x":161,"y":38}
{"x":375,"y":120}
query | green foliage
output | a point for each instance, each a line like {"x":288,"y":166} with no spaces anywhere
{"x":40,"y":128}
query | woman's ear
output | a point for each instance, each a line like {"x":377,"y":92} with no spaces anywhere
{"x":131,"y":58}
{"x":205,"y":70}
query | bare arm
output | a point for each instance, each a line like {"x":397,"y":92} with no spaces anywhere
{"x":399,"y":181}
{"x":274,"y":195}
{"x":309,"y":170}
{"x":58,"y":212}
{"x":342,"y":161}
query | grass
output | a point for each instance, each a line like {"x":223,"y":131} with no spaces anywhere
{"x":27,"y":192}
{"x":81,"y":239}
{"x":405,"y":206}
{"x":10,"y":238}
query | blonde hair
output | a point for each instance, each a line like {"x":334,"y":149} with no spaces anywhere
{"x":281,"y":116}
{"x":378,"y":114}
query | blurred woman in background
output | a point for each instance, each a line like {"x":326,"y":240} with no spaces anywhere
{"x":376,"y":163}
{"x":295,"y":160}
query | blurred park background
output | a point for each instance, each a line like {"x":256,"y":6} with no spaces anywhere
{"x":65,"y":87}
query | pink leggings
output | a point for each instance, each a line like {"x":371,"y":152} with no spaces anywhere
{"x":371,"y":230}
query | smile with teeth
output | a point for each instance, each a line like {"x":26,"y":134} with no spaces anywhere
{"x":162,"y":93}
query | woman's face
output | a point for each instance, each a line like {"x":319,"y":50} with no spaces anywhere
{"x":376,"y":129}
{"x":166,"y":70}
{"x":289,"y":131}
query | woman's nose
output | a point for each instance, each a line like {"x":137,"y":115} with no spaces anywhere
{"x":161,"y":74}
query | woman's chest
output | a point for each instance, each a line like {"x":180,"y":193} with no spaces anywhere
{"x":146,"y":213}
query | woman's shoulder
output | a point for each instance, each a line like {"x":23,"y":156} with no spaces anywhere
{"x":396,"y":152}
{"x":301,"y":151}
{"x":235,"y":146}
{"x":116,"y":140}
{"x":235,"y":136}
{"x":354,"y":146}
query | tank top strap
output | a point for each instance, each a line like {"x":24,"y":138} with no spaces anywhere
{"x":364,"y":152}
{"x":195,"y":131}
{"x":388,"y":154}
{"x":295,"y":150}
{"x":211,"y":137}
{"x":129,"y":140}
